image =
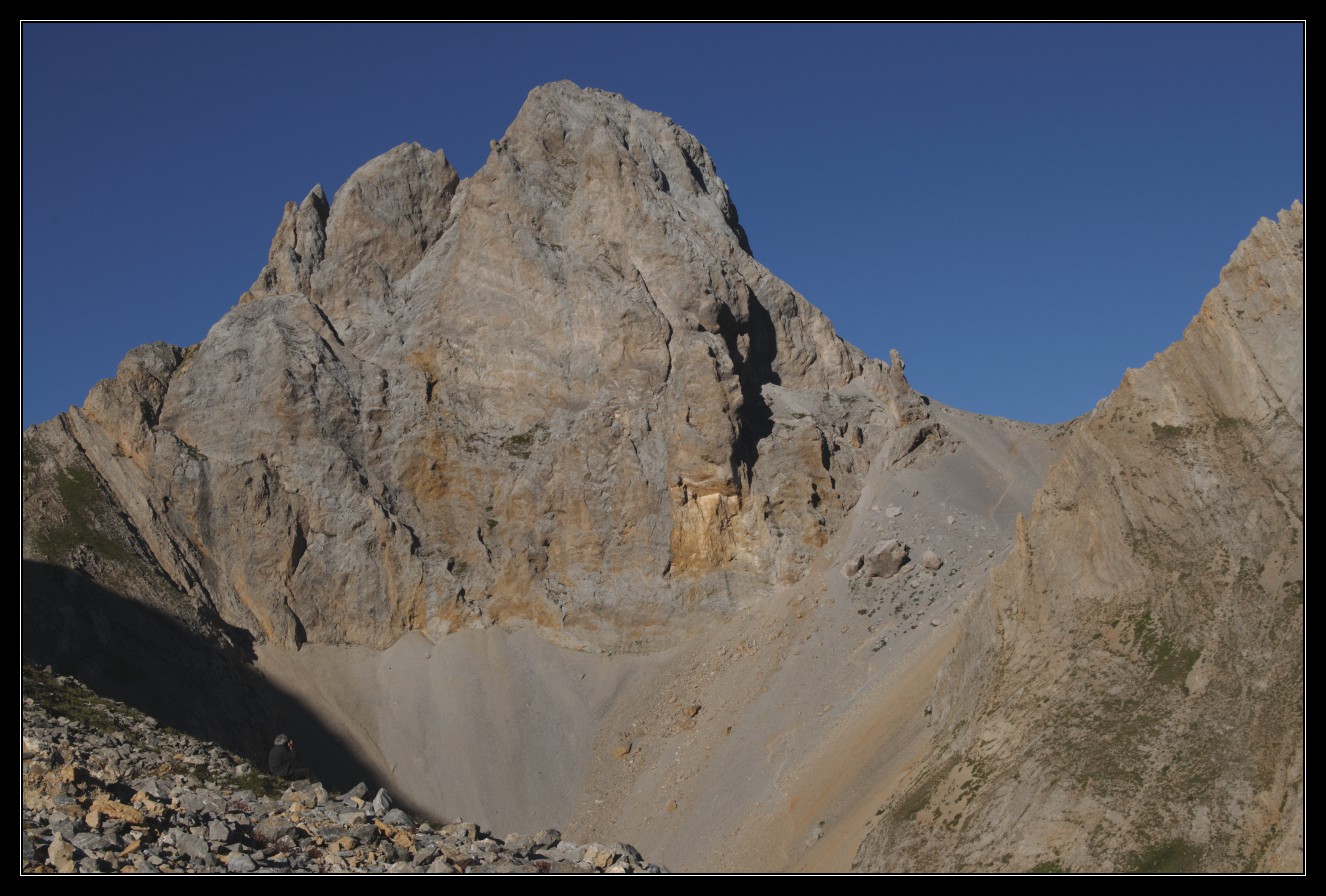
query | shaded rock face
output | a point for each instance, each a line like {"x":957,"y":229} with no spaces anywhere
{"x":542,"y":394}
{"x":1129,"y":694}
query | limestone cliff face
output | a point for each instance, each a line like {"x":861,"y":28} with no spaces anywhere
{"x":539,"y":394}
{"x":1129,"y":694}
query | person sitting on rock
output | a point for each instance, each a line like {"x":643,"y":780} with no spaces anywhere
{"x":283,"y":758}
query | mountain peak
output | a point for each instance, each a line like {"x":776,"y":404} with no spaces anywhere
{"x":568,"y":138}
{"x":509,"y":399}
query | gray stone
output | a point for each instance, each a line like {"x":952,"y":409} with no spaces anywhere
{"x":90,"y":842}
{"x":566,"y":852}
{"x":274,"y":828}
{"x":519,"y":844}
{"x":238,"y":863}
{"x":364,"y":833}
{"x":464,"y":830}
{"x":27,"y":847}
{"x":885,"y":559}
{"x":65,"y":826}
{"x":503,"y":866}
{"x":60,"y":854}
{"x":398,"y":818}
{"x":191,"y":845}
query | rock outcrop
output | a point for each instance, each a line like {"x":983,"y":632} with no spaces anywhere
{"x":542,"y":395}
{"x":1129,"y":692}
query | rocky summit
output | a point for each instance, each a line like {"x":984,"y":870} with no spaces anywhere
{"x":534,"y":498}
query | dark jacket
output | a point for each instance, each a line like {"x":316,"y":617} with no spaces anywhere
{"x":281,"y":760}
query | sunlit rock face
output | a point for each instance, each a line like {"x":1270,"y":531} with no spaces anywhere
{"x":1129,"y":693}
{"x":543,"y":394}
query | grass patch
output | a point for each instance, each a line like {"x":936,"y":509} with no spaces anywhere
{"x":919,"y":796}
{"x":1165,"y":432}
{"x":81,"y":499}
{"x":32,"y":458}
{"x":1174,"y":857}
{"x":1051,"y":866}
{"x":256,"y":782}
{"x":71,"y":700}
{"x":1170,"y":662}
{"x":1293,"y":594}
{"x":523,"y":444}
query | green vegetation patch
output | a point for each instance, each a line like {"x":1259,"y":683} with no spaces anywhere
{"x":70,"y":700}
{"x":256,"y":782}
{"x":1166,"y":432}
{"x":919,"y":796}
{"x":1170,"y":662}
{"x":1174,"y":857}
{"x":32,"y":458}
{"x":522,"y":444}
{"x":81,"y":499}
{"x":1293,"y":594}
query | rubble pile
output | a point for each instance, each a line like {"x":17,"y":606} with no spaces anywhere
{"x":112,"y":791}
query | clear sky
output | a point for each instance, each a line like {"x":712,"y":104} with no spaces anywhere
{"x":1022,"y":210}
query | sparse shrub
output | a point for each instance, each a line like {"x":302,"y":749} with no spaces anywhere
{"x":80,"y":497}
{"x":1167,"y":432}
{"x":1174,"y":857}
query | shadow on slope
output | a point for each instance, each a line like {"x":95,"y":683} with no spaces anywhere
{"x":197,"y":682}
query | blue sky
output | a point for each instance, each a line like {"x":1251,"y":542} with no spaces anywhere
{"x":1022,"y":210}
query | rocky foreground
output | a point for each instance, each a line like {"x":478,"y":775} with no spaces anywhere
{"x":108,"y":789}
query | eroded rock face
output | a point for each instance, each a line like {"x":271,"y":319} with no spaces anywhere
{"x":1129,"y":695}
{"x":543,"y":394}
